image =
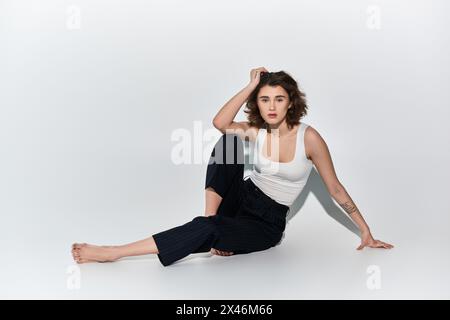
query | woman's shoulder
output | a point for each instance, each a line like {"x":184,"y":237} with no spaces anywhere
{"x":312,"y":138}
{"x":310,"y":131}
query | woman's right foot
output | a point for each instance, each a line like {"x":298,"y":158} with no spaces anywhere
{"x":83,"y":253}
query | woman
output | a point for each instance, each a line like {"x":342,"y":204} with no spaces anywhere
{"x":248,"y":215}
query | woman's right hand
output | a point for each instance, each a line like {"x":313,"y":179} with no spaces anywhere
{"x":255,"y":75}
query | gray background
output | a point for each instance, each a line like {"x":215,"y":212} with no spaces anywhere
{"x":89,"y":105}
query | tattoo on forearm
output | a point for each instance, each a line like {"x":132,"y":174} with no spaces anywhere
{"x":349,"y":207}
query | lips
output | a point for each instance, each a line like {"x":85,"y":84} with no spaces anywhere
{"x":272,"y":115}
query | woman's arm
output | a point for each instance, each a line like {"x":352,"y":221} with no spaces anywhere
{"x":317,"y":150}
{"x":224,"y":118}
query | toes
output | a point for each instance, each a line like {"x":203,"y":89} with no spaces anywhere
{"x":76,"y":253}
{"x":225,"y":253}
{"x":221,"y":253}
{"x":77,"y":245}
{"x":79,"y":259}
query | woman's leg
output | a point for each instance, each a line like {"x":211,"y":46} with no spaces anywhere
{"x":224,"y":176}
{"x":212,"y":201}
{"x":84,"y":252}
{"x":199,"y":235}
{"x":222,"y":187}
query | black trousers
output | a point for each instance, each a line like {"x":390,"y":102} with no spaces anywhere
{"x":247,"y":220}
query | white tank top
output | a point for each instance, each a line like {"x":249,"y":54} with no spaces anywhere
{"x":282,"y":181}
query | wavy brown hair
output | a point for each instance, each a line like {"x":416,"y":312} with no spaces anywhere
{"x":297,"y":98}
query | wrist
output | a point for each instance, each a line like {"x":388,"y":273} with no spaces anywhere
{"x":251,"y":86}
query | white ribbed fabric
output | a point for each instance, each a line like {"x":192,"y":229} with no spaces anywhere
{"x":281,"y":181}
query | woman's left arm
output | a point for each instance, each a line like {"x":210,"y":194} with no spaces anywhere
{"x":317,"y":150}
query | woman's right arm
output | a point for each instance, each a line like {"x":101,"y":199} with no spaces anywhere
{"x":224,"y":119}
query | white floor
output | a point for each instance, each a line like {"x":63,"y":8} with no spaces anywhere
{"x":316,"y":260}
{"x":94,"y":122}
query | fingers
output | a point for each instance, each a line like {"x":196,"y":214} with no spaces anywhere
{"x":262,"y":70}
{"x":381,"y":244}
{"x":259,"y":70}
{"x":387,"y":245}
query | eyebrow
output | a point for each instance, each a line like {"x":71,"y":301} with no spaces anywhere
{"x":279,"y":96}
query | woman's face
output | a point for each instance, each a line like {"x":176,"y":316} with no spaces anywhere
{"x":273,"y":103}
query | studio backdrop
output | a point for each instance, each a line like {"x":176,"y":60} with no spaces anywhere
{"x":106,"y":112}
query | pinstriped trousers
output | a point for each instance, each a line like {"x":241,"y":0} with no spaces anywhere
{"x":247,"y":220}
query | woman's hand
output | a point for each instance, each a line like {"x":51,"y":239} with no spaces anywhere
{"x":221,"y":253}
{"x":368,"y":241}
{"x":255,"y":75}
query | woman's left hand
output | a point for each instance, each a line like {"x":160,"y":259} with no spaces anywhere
{"x":368,"y":241}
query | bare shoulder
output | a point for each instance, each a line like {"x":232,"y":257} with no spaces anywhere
{"x":242,"y":129}
{"x":313,"y":140}
{"x":311,"y":133}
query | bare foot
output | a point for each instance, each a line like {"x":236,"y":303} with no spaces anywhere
{"x":221,"y":253}
{"x":83,"y":253}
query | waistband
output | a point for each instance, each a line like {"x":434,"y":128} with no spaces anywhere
{"x":267,"y":201}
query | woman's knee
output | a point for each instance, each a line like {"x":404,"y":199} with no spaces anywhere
{"x":207,"y":222}
{"x":229,"y":149}
{"x":231,"y":138}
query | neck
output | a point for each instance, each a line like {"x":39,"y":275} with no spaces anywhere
{"x":280,"y":128}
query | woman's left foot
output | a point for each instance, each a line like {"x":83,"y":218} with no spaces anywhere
{"x":83,"y":253}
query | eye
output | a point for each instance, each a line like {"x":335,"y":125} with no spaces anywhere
{"x":279,"y":100}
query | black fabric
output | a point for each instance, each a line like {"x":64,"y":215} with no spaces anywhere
{"x":247,"y":220}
